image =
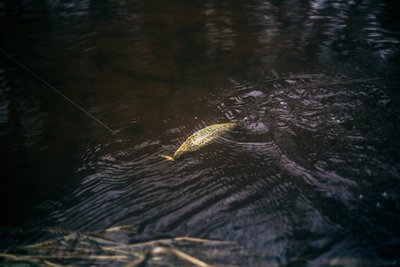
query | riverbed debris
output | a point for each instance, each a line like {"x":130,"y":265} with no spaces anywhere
{"x":93,"y":248}
{"x":201,"y":138}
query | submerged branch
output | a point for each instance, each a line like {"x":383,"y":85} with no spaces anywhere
{"x":64,"y":257}
{"x":182,"y":255}
{"x":203,"y":241}
{"x":77,"y":246}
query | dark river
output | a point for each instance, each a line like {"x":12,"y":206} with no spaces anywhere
{"x":312,"y":172}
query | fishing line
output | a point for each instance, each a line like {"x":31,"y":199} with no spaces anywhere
{"x":55,"y":90}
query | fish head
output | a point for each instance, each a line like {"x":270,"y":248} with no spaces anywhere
{"x":185,"y":148}
{"x":181,"y":150}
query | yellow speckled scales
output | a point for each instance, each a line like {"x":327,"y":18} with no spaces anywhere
{"x":201,"y":138}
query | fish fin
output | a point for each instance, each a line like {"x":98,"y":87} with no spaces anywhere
{"x":167,"y":157}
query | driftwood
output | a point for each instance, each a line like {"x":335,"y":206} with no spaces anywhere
{"x":74,"y":248}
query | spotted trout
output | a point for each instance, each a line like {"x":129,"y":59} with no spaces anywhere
{"x":201,"y":138}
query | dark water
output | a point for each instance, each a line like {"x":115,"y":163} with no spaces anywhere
{"x":313,"y":172}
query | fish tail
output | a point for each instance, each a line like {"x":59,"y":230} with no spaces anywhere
{"x":167,"y":157}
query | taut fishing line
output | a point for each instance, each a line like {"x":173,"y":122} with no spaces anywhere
{"x":55,"y":90}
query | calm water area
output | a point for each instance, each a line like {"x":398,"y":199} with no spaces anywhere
{"x":312,"y":173}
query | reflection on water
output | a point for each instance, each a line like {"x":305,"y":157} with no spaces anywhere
{"x":312,"y":172}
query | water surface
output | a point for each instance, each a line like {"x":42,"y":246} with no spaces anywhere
{"x":310,"y":176}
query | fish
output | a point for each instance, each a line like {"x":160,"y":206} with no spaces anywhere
{"x":201,"y":138}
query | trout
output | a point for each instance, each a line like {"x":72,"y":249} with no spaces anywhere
{"x":201,"y":138}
